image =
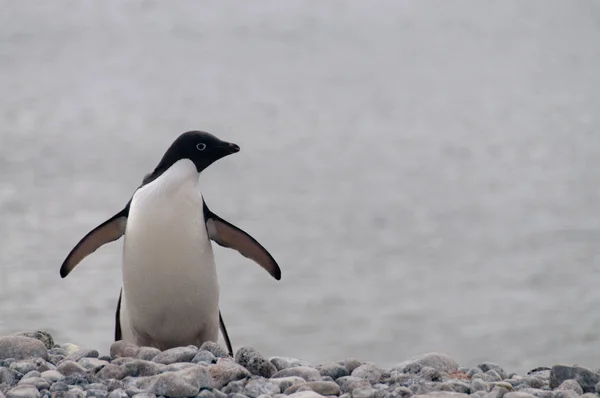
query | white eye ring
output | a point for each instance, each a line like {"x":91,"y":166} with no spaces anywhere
{"x":201,"y":146}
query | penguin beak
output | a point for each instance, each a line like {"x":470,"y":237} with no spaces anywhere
{"x":231,"y":148}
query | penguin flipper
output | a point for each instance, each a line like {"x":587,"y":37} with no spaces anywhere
{"x":225,"y":334}
{"x":110,"y":230}
{"x":118,"y":334}
{"x":228,"y":235}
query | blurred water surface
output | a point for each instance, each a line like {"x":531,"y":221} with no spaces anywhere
{"x":425,"y":172}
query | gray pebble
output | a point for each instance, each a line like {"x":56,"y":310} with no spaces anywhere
{"x":205,"y":394}
{"x":350,"y":364}
{"x":480,"y":385}
{"x":439,"y":361}
{"x":589,"y":395}
{"x":218,"y":394}
{"x":308,"y":374}
{"x":473,"y":371}
{"x":147,"y":353}
{"x":96,"y":393}
{"x":571,"y":385}
{"x":204,"y":356}
{"x":123,"y":349}
{"x":23,"y":391}
{"x":131,"y":391}
{"x":237,"y":395}
{"x":96,"y":386}
{"x":92,"y":363}
{"x":55,"y":359}
{"x":255,"y":363}
{"x":140,"y":367}
{"x":429,"y":374}
{"x":286,"y":382}
{"x":305,"y":394}
{"x":174,"y":355}
{"x":225,"y":371}
{"x":402,"y":392}
{"x":144,"y":395}
{"x":487,"y":366}
{"x":333,"y":370}
{"x":518,"y":394}
{"x":586,"y":378}
{"x":8,"y":376}
{"x":565,"y":394}
{"x":350,"y":383}
{"x":37,"y":382}
{"x":492,"y":376}
{"x":106,"y":358}
{"x":368,"y":372}
{"x":82,"y":353}
{"x":111,"y":371}
{"x":324,"y":387}
{"x":235,"y":387}
{"x":174,"y":367}
{"x":20,"y":347}
{"x":59,"y":386}
{"x":460,"y":386}
{"x":33,"y":373}
{"x":67,"y":368}
{"x":364,"y":392}
{"x":258,"y":386}
{"x":214,"y":349}
{"x":58,"y":351}
{"x":497,"y":392}
{"x":40,"y":335}
{"x":281,"y":363}
{"x":22,"y":366}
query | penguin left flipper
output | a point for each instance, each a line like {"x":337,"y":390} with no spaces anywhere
{"x":228,"y":235}
{"x":110,"y":230}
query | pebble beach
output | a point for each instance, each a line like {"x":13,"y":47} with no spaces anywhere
{"x":33,"y":366}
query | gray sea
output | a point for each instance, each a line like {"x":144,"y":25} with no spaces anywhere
{"x":426,"y":173}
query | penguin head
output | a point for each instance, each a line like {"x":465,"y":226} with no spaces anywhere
{"x":200,"y":147}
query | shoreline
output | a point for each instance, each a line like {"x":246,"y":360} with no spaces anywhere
{"x":33,"y":366}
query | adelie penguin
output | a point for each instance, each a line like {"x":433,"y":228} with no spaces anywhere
{"x":170,"y":291}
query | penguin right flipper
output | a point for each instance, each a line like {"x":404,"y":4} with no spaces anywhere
{"x":110,"y":230}
{"x":225,"y":334}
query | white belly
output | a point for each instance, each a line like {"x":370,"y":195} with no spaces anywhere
{"x":170,"y":286}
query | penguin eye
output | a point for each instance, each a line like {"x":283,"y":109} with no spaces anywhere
{"x":201,"y":146}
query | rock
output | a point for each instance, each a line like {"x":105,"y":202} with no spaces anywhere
{"x":565,"y":394}
{"x":140,"y":368}
{"x":24,"y":391}
{"x":257,"y":386}
{"x":255,"y":363}
{"x":22,"y":367}
{"x":308,"y":374}
{"x":305,"y":394}
{"x":351,"y":364}
{"x":20,"y":347}
{"x":402,"y":392}
{"x":205,"y":394}
{"x":168,"y":384}
{"x":214,"y":349}
{"x":286,"y":382}
{"x":123,"y":349}
{"x":92,"y":363}
{"x":492,"y":376}
{"x":589,"y":395}
{"x":487,"y":366}
{"x":460,"y":386}
{"x":368,"y":372}
{"x":441,"y":394}
{"x":364,"y":392}
{"x":518,"y":394}
{"x":52,"y":375}
{"x":430,"y":374}
{"x":118,"y":393}
{"x":281,"y":363}
{"x":225,"y":371}
{"x":67,"y":368}
{"x":70,"y":348}
{"x":111,"y":371}
{"x":571,"y":385}
{"x":324,"y":387}
{"x":479,"y":385}
{"x":586,"y":378}
{"x":235,"y":387}
{"x":177,"y":366}
{"x":350,"y":383}
{"x":96,"y":393}
{"x":497,"y":392}
{"x":82,"y":353}
{"x":7,"y":376}
{"x":218,"y":394}
{"x":204,"y":356}
{"x":147,"y":353}
{"x":333,"y":370}
{"x":439,"y":361}
{"x":174,"y":355}
{"x":40,"y":335}
{"x":37,"y":382}
{"x":59,"y":386}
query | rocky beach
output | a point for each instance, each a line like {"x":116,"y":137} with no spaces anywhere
{"x":33,"y":366}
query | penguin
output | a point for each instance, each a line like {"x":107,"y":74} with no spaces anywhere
{"x":170,"y":293}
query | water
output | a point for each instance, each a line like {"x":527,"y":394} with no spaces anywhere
{"x":425,"y":173}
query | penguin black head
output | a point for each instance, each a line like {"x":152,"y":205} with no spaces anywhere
{"x":200,"y":147}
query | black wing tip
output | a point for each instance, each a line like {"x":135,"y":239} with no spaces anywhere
{"x":277,"y":273}
{"x":63,"y":271}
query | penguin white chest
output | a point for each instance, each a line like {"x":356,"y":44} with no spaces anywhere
{"x":170,"y":286}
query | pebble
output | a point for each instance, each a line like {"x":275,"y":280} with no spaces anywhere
{"x":286,"y":382}
{"x":256,"y":364}
{"x":23,"y":391}
{"x":40,"y":335}
{"x":68,"y":367}
{"x":333,"y":370}
{"x":286,"y":362}
{"x":226,"y":371}
{"x":175,"y":355}
{"x":304,"y":394}
{"x":368,"y":372}
{"x":124,"y":349}
{"x":307,"y":373}
{"x":586,"y":378}
{"x":259,"y":386}
{"x":204,"y":356}
{"x":147,"y":353}
{"x":37,"y":382}
{"x":439,"y":361}
{"x":350,"y":383}
{"x":214,"y":349}
{"x":21,"y":347}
